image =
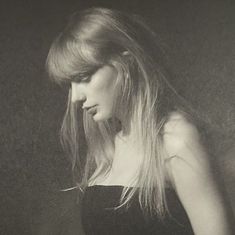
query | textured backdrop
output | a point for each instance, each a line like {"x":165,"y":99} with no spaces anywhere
{"x":199,"y":39}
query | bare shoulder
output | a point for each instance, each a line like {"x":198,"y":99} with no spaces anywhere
{"x":189,"y":170}
{"x":185,"y":153}
{"x":177,"y":122}
{"x":179,"y":133}
{"x":186,"y":160}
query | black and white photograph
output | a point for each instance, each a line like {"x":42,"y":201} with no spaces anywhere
{"x":117,"y":118}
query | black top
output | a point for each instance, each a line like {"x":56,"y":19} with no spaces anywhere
{"x":100,"y":218}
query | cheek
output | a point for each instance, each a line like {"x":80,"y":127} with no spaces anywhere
{"x":105,"y":79}
{"x":105,"y":88}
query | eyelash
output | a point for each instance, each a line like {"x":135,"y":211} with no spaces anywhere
{"x":79,"y":79}
{"x":84,"y":77}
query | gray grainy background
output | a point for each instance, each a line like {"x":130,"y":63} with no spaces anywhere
{"x":199,"y":37}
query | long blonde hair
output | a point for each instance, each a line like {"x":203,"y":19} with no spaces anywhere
{"x":96,"y":37}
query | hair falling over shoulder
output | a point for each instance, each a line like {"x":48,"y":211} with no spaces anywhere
{"x":96,"y":37}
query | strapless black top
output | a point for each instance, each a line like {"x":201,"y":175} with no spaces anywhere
{"x":100,"y":218}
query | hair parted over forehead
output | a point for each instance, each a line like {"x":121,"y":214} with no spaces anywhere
{"x":96,"y":37}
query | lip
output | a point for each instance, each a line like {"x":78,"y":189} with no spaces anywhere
{"x":91,"y":110}
{"x":88,"y":107}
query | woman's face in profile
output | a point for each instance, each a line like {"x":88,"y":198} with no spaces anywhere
{"x":98,"y":93}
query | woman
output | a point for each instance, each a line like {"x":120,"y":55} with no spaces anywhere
{"x":138,"y":155}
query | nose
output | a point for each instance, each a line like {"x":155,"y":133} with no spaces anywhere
{"x":78,"y":94}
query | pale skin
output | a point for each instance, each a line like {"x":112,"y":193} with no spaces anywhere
{"x":187,"y":165}
{"x":191,"y":173}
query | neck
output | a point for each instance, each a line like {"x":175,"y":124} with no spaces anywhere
{"x":128,"y":132}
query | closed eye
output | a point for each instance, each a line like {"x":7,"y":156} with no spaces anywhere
{"x":79,"y":78}
{"x":83,"y":77}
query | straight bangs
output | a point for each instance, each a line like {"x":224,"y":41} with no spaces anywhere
{"x":69,"y":57}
